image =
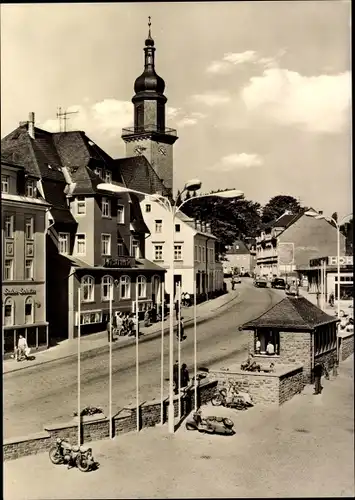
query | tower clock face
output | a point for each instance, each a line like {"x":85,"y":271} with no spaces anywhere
{"x":162,"y":150}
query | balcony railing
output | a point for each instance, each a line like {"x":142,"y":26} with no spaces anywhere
{"x":148,"y":129}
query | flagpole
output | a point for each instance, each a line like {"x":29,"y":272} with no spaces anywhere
{"x":179,"y":344}
{"x":137,"y":360}
{"x":79,"y":381}
{"x":110,"y":363}
{"x":195,"y":343}
{"x":162,"y":357}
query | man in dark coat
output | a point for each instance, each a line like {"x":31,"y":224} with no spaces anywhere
{"x":176,"y":376}
{"x":318,"y":372}
{"x":185,"y":377}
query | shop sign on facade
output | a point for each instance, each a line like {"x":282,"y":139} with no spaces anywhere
{"x":21,"y":291}
{"x":120,"y":262}
{"x":344,"y":260}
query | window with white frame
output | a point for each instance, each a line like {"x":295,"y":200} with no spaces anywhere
{"x":5,"y":183}
{"x":9,"y":226}
{"x":8,"y":269}
{"x":120,"y":213}
{"x":29,"y":311}
{"x":9,"y":312}
{"x":64,"y":241}
{"x":158,"y":252}
{"x":142,"y":287}
{"x":148,"y":208}
{"x":120,"y":248}
{"x":108,"y":176}
{"x":28,"y":269}
{"x":106,"y":207}
{"x":135,"y":249}
{"x":125,"y":287}
{"x":81,"y":205}
{"x":31,"y":188}
{"x":80,"y":244}
{"x":107,"y":288}
{"x":29,"y":224}
{"x":178,"y":251}
{"x":87,"y":287}
{"x":158,"y":226}
{"x":105,"y":244}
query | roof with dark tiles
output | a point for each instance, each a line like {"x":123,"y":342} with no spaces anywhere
{"x":238,"y":248}
{"x":291,"y":313}
{"x":54,"y":194}
{"x":138,"y":174}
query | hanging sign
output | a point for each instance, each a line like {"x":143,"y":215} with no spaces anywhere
{"x":344,"y":260}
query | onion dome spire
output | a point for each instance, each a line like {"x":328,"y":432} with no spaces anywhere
{"x":149,"y":81}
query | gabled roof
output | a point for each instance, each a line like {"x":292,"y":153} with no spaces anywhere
{"x":238,"y":248}
{"x":138,"y":174}
{"x":291,"y":313}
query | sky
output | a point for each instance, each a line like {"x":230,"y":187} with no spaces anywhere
{"x":259,"y":92}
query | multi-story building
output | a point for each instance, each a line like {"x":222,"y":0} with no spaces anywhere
{"x":23,"y":257}
{"x":239,"y":258}
{"x":96,"y":240}
{"x":286,"y":246}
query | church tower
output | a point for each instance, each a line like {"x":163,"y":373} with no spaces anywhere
{"x":149,"y":136}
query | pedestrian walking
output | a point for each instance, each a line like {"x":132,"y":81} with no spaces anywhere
{"x":182,"y":329}
{"x":185,"y":377}
{"x":187,"y":299}
{"x":176,"y":376}
{"x":153,"y":314}
{"x":318,"y":372}
{"x":331,"y":299}
{"x":109,"y":327}
{"x":22,"y":350}
{"x":119,"y":323}
{"x":147,"y":318}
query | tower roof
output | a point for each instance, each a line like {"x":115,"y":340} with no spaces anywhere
{"x":149,"y":81}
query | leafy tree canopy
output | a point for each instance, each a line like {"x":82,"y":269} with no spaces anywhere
{"x":277,"y":206}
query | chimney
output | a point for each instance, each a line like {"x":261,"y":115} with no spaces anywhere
{"x":320,"y":212}
{"x":31,"y":125}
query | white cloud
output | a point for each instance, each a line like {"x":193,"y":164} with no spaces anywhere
{"x":172,"y":112}
{"x":186,"y":122}
{"x":219,"y":67}
{"x":315,"y":103}
{"x":240,"y":160}
{"x":240,"y":57}
{"x":212,"y":98}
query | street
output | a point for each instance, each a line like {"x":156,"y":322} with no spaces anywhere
{"x":47,"y":393}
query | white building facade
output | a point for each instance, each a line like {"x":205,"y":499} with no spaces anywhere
{"x":194,"y":251}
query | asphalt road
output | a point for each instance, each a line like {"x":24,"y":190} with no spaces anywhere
{"x":47,"y":393}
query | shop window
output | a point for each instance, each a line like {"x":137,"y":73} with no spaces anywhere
{"x":9,"y":312}
{"x":141,"y":287}
{"x":106,"y":288}
{"x":125,"y":287}
{"x":90,"y":317}
{"x":266,"y":336}
{"x":29,"y":311}
{"x":87,"y":287}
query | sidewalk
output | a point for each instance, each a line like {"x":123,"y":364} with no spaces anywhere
{"x":95,"y":343}
{"x":302,"y":449}
{"x":332,"y":311}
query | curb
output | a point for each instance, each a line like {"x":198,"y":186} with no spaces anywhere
{"x":147,"y":338}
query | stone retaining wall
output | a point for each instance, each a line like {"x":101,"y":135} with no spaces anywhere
{"x":97,"y":427}
{"x":346,"y":345}
{"x":265,"y":388}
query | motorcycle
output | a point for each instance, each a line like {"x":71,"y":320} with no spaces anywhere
{"x":65,"y":453}
{"x":210,"y":425}
{"x":232,"y":398}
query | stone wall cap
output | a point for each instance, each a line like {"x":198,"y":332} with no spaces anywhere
{"x":152,"y":402}
{"x":132,"y":406}
{"x":344,"y":335}
{"x":60,"y":425}
{"x":279,"y":371}
{"x":123,"y":414}
{"x":30,"y":437}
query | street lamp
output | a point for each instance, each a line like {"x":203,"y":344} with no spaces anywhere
{"x":192,"y":185}
{"x":316,"y":215}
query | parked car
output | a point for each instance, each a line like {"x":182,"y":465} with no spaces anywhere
{"x":278,"y":283}
{"x":260,"y":282}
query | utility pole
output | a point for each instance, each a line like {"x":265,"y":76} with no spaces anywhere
{"x":63,"y":117}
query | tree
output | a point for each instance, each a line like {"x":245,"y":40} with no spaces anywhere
{"x":178,"y":198}
{"x":335,"y":216}
{"x":277,"y":206}
{"x":347,"y":230}
{"x":188,"y":195}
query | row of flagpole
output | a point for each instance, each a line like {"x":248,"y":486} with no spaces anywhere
{"x":162,"y":294}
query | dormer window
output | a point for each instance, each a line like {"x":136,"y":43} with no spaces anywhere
{"x":31,"y":188}
{"x":5,"y":182}
{"x":98,"y":171}
{"x":108,"y":177}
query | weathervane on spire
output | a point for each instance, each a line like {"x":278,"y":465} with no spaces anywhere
{"x":149,"y":25}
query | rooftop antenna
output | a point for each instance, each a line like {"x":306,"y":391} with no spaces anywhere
{"x":63,"y":117}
